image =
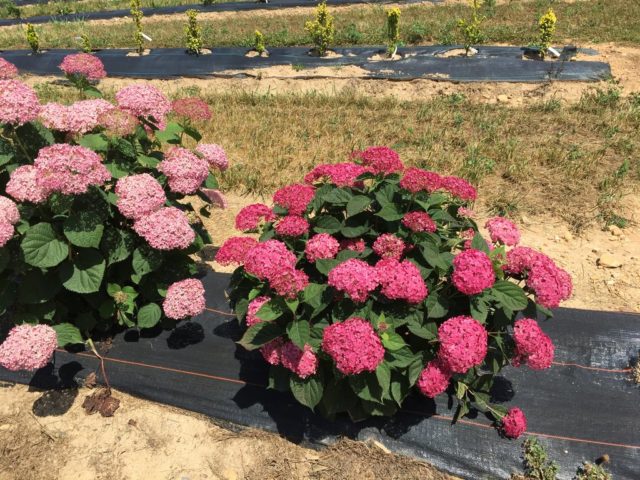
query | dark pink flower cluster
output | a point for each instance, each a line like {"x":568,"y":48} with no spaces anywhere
{"x":388,"y":245}
{"x":77,"y":118}
{"x":22,"y":185}
{"x":254,"y":307}
{"x":191,"y":108}
{"x":249,"y":218}
{"x":463,"y":343}
{"x":533,"y":346}
{"x":459,"y":188}
{"x":288,"y":282}
{"x":303,"y":363}
{"x":143,"y":100}
{"x":165,"y":229}
{"x":234,"y":250}
{"x":353,"y":345}
{"x":7,"y":70}
{"x":83,"y":65}
{"x":321,"y":246}
{"x":419,"y":222}
{"x":514,"y":423}
{"x":353,"y":244}
{"x":354,"y":277}
{"x":292,"y":226}
{"x":184,"y":299}
{"x":340,"y":174}
{"x":271,"y":351}
{"x":503,"y":231}
{"x":214,"y":155}
{"x":9,"y":216}
{"x":28,"y":347}
{"x":380,"y":159}
{"x":472,"y":272}
{"x":265,"y":260}
{"x":418,"y":180}
{"x":184,"y":170}
{"x":294,"y":198}
{"x":401,"y":280}
{"x":434,"y":379}
{"x":139,"y":195}
{"x":550,"y":283}
{"x":19,"y":103}
{"x":118,"y":122}
{"x":69,"y":169}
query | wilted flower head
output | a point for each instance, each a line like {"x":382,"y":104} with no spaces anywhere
{"x":192,"y":108}
{"x":118,"y":122}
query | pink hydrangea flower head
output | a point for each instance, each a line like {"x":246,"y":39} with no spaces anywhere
{"x":118,"y":122}
{"x":353,"y":244}
{"x":214,"y":155}
{"x":292,"y":226}
{"x":7,"y":70}
{"x":19,"y":103}
{"x":191,"y":108}
{"x":551,"y":284}
{"x":69,"y":169}
{"x":22,"y":185}
{"x":294,"y":198}
{"x":503,"y":231}
{"x":459,"y":188}
{"x":514,"y":423}
{"x":184,"y":170}
{"x":388,"y":245}
{"x":340,"y":174}
{"x":234,"y":250}
{"x":533,"y":346}
{"x":139,"y":195}
{"x":271,"y":351}
{"x":144,"y":100}
{"x":250,"y":217}
{"x":401,"y":280}
{"x":288,"y":282}
{"x":434,"y":379}
{"x":354,"y":277}
{"x":303,"y":363}
{"x":9,"y":211}
{"x":472,"y":272}
{"x":466,"y":212}
{"x":463,"y":343}
{"x":184,"y":299}
{"x":165,"y":229}
{"x":520,"y":259}
{"x":6,"y":232}
{"x":254,"y":307}
{"x":267,"y":259}
{"x":353,"y":345}
{"x":77,"y":118}
{"x":321,"y":246}
{"x":216,"y":197}
{"x":418,"y":180}
{"x":419,"y":222}
{"x":28,"y":347}
{"x":380,"y":159}
{"x":83,"y":65}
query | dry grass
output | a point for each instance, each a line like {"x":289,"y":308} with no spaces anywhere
{"x":513,"y":22}
{"x":571,"y":161}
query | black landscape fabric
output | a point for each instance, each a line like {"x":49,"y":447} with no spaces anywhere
{"x":497,"y":64}
{"x":585,"y":406}
{"x":240,"y":6}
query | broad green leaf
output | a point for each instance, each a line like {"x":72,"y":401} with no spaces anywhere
{"x":354,"y":231}
{"x":479,"y":243}
{"x":171,"y":134}
{"x":149,"y":162}
{"x":83,"y":228}
{"x":211,"y":182}
{"x":299,"y":332}
{"x":338,"y":196}
{"x":270,"y":311}
{"x":392,"y":341}
{"x":327,"y":224}
{"x":146,"y":260}
{"x":149,"y":315}
{"x":42,"y":248}
{"x":383,"y":374}
{"x":259,"y":334}
{"x":85,"y":273}
{"x":366,"y":386}
{"x":95,"y":141}
{"x":325,"y":265}
{"x":390,"y":213}
{"x":357,"y":204}
{"x":479,"y":309}
{"x":312,"y":294}
{"x":509,"y":295}
{"x":307,"y":391}
{"x":437,"y":306}
{"x":68,"y":334}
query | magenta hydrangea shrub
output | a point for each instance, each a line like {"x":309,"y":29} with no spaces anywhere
{"x":96,"y":231}
{"x":375,"y":280}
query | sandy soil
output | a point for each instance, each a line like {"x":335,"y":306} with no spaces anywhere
{"x":48,"y":436}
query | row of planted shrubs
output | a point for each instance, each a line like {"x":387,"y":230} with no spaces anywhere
{"x":368,"y":281}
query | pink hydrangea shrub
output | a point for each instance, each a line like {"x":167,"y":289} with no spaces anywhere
{"x":184,"y":170}
{"x":19,"y":103}
{"x":117,"y":122}
{"x":249,"y":218}
{"x":254,"y":307}
{"x":191,"y":108}
{"x":388,"y":245}
{"x":341,"y":174}
{"x":83,"y":65}
{"x":6,"y":232}
{"x":184,"y":299}
{"x":514,"y":423}
{"x":303,"y":363}
{"x":146,"y":101}
{"x":463,"y":343}
{"x":269,"y":258}
{"x":353,"y":345}
{"x":294,"y":198}
{"x":139,"y":195}
{"x":271,"y":351}
{"x":288,"y":282}
{"x":434,"y":379}
{"x":8,"y":211}
{"x":417,"y":180}
{"x":379,"y":159}
{"x":7,"y":70}
{"x":401,"y":280}
{"x":77,"y":118}
{"x":460,"y":188}
{"x":292,"y":226}
{"x":354,"y":277}
{"x":321,"y":246}
{"x":472,"y":272}
{"x":419,"y":222}
{"x":533,"y":346}
{"x":214,"y":155}
{"x":234,"y":250}
{"x":23,"y":187}
{"x":503,"y":231}
{"x":165,"y":229}
{"x":28,"y":347}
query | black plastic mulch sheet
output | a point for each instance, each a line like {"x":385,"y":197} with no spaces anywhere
{"x":240,"y":6}
{"x":499,"y":64}
{"x":585,"y":406}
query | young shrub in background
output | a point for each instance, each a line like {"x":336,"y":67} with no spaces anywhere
{"x":85,"y":43}
{"x":371,"y":280}
{"x":471,"y":29}
{"x":208,"y":2}
{"x":321,"y":29}
{"x":193,"y":32}
{"x":537,"y":465}
{"x":32,"y":38}
{"x":136,"y":15}
{"x":10,"y":8}
{"x":259,"y":44}
{"x":592,"y":471}
{"x":393,"y":30}
{"x":546,"y":28}
{"x":96,"y":232}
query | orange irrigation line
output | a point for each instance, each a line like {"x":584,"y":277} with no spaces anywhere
{"x":228,"y":314}
{"x":596,"y":369}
